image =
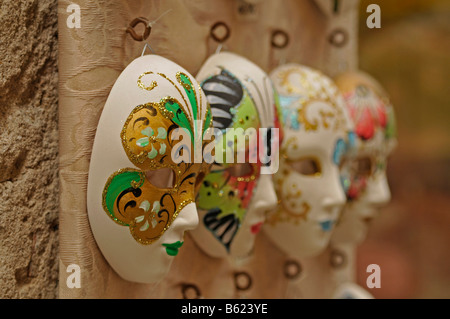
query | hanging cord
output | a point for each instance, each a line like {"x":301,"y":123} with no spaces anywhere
{"x":151,"y":23}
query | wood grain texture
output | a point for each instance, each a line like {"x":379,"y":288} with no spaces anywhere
{"x":92,"y":57}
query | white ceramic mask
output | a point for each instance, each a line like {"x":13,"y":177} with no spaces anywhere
{"x":315,"y":129}
{"x":140,"y":201}
{"x":364,"y":169}
{"x":233,"y":198}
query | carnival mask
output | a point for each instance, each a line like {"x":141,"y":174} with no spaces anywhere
{"x":364,"y":167}
{"x":236,"y":194}
{"x":141,"y":196}
{"x":315,"y":133}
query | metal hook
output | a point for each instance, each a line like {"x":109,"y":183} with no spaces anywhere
{"x":148,"y":28}
{"x":248,"y":280}
{"x":276,"y":34}
{"x":338,"y":37}
{"x":186,"y":287}
{"x":292,"y":269}
{"x":146,"y":32}
{"x":222,"y":39}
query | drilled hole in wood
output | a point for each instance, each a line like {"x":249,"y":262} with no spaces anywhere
{"x":190,"y":291}
{"x":292,"y":269}
{"x":338,"y":38}
{"x":242,"y":280}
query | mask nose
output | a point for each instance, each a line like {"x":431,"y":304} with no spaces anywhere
{"x":378,"y":193}
{"x":265,"y":197}
{"x":187,"y":219}
{"x":335,"y":198}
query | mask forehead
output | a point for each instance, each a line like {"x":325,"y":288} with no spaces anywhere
{"x":311,"y":108}
{"x":369,"y":108}
{"x":301,"y":88}
{"x":255,"y":81}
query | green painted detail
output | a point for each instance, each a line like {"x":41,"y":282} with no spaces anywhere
{"x":336,"y":6}
{"x":148,"y":131}
{"x":143,"y":142}
{"x":162,"y":133}
{"x":245,"y":117}
{"x":145,"y":226}
{"x":162,"y":150}
{"x":145,"y":205}
{"x":391,"y":127}
{"x":381,"y":166}
{"x":224,"y":196}
{"x":207,"y":120}
{"x":172,"y":249}
{"x":118,"y":184}
{"x":179,"y":117}
{"x":156,"y":207}
{"x":190,"y":93}
{"x":153,"y":153}
{"x":139,"y":219}
{"x":246,"y":112}
{"x":192,"y":100}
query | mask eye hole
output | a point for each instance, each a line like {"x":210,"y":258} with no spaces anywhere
{"x":240,"y":170}
{"x":363,"y":166}
{"x":161,"y":178}
{"x":307,"y":166}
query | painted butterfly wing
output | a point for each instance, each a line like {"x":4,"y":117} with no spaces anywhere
{"x":224,"y":93}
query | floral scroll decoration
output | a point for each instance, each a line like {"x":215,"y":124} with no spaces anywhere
{"x":150,"y":138}
{"x":293,"y":207}
{"x":312,"y":87}
{"x":129,"y":198}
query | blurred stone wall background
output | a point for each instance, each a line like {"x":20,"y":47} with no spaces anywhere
{"x":409,"y":55}
{"x":29,"y":191}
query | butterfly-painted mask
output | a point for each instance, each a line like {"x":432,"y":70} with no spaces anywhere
{"x":234,"y":196}
{"x":141,"y":196}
